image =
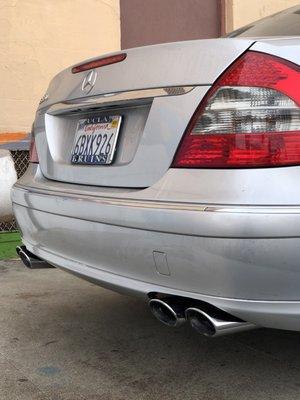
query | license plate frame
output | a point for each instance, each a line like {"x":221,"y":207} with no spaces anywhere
{"x":95,"y":141}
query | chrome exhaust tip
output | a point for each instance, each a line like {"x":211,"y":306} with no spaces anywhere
{"x":25,"y":258}
{"x":216,"y":325}
{"x":19,"y":249}
{"x":169,"y":311}
{"x":30,"y":260}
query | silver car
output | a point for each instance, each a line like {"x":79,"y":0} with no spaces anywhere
{"x":172,"y":172}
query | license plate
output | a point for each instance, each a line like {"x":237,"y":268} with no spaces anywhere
{"x":95,"y":140}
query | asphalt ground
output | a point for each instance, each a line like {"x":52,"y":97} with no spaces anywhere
{"x":63,"y":338}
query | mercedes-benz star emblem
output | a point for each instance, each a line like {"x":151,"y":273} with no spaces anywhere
{"x":89,"y":81}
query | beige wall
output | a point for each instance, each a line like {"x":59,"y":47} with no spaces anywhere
{"x":242,"y":12}
{"x":40,"y":37}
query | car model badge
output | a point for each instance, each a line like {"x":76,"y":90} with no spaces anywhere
{"x":89,"y":81}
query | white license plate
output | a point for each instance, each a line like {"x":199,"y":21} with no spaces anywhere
{"x":95,"y":140}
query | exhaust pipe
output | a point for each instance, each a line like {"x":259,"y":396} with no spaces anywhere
{"x":215,"y":323}
{"x":170,"y":310}
{"x":30,"y":260}
{"x":205,"y":318}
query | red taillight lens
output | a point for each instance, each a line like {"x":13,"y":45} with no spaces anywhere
{"x":33,"y":156}
{"x":101,"y":62}
{"x":249,"y":118}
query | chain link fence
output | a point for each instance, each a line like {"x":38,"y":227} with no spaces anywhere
{"x":21,"y":160}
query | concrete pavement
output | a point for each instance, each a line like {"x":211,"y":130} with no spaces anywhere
{"x":62,"y":338}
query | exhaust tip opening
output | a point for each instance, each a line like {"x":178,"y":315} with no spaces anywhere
{"x":18,"y":250}
{"x":25,"y":259}
{"x":200,"y":322}
{"x":163,"y":312}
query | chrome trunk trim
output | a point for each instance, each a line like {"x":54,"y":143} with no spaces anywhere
{"x":110,"y":99}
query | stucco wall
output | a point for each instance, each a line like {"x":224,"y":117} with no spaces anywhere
{"x":40,"y":37}
{"x":246,"y":11}
{"x":168,"y":21}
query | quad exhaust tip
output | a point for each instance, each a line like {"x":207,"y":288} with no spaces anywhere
{"x":204,"y":318}
{"x":169,"y":311}
{"x":214,"y":325}
{"x":30,"y":260}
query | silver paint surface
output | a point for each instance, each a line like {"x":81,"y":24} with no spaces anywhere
{"x":231,"y":237}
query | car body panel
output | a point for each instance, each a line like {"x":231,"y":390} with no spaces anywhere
{"x":137,"y":208}
{"x":173,"y":65}
{"x":192,"y":62}
{"x":163,"y":127}
{"x":231,"y":237}
{"x":225,"y":266}
{"x":278,"y":314}
{"x":286,"y":48}
{"x":220,"y":251}
{"x":252,"y":278}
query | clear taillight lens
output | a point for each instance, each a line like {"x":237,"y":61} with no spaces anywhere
{"x":248,"y":110}
{"x":250,"y":118}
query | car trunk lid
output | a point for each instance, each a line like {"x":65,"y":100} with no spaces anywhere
{"x":154,"y":92}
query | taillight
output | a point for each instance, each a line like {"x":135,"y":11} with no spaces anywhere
{"x":33,"y":155}
{"x":249,"y":118}
{"x":100,"y":62}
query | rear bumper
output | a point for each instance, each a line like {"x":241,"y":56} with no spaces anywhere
{"x":244,"y":260}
